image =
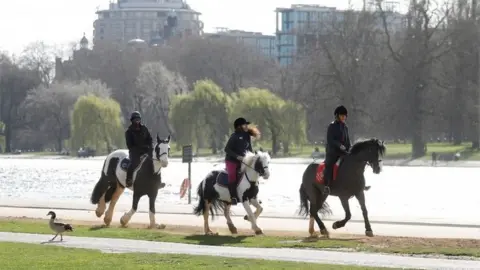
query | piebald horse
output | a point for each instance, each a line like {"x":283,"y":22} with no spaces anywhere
{"x":213,"y":192}
{"x":146,"y":181}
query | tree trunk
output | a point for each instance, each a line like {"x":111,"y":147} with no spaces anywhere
{"x":8,"y":137}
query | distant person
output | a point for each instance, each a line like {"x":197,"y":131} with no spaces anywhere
{"x":434,"y":158}
{"x":139,"y":142}
{"x":338,"y":144}
{"x":316,"y":154}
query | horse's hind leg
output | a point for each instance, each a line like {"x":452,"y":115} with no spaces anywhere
{"x":127,"y":216}
{"x":348,"y":214}
{"x":101,"y":206}
{"x":231,"y":226}
{"x":206,"y":225}
{"x":314,"y":208}
{"x":361,"y":200}
{"x":111,"y":207}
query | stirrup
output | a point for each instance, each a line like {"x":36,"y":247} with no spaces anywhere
{"x":326,"y":190}
{"x":234,"y":201}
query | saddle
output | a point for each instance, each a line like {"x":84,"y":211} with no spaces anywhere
{"x":125,"y":162}
{"x":222,"y":178}
{"x":321,"y":167}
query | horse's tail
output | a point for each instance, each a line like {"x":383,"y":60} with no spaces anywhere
{"x":105,"y":183}
{"x":198,"y":210}
{"x":304,"y":211}
{"x":100,"y":187}
{"x":304,"y":207}
{"x":215,"y":204}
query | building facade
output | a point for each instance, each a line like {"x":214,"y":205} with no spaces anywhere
{"x":297,"y":24}
{"x":153,"y":21}
{"x":266,"y":44}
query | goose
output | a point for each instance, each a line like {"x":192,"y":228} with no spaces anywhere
{"x":58,"y":228}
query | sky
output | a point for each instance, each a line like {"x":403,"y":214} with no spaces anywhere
{"x":61,"y":22}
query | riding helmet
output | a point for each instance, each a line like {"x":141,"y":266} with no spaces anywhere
{"x":135,"y":115}
{"x":240,"y":121}
{"x":340,"y":110}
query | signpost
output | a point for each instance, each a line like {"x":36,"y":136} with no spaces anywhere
{"x":187,"y":157}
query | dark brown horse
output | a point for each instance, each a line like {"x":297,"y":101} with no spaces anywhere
{"x":348,"y":182}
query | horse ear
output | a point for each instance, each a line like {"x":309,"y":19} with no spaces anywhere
{"x":168,"y":138}
{"x":158,"y":139}
{"x":256,"y":152}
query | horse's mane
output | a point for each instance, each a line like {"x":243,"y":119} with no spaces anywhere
{"x":364,"y":144}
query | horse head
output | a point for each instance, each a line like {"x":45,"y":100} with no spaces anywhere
{"x":370,"y":151}
{"x":162,"y":150}
{"x":261,"y":164}
{"x":258,"y":162}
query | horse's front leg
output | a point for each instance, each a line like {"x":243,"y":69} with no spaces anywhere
{"x":258,"y":208}
{"x":127,"y":216}
{"x":101,"y":206}
{"x":152,"y":197}
{"x":111,"y":207}
{"x":252,"y":218}
{"x":348,"y":214}
{"x":226,"y":213}
{"x":361,"y":200}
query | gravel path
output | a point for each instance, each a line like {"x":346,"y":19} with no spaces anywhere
{"x":295,"y":255}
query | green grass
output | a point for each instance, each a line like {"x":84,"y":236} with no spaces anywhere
{"x":18,"y":256}
{"x":451,"y":247}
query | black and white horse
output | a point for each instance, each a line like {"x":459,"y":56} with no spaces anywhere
{"x":146,"y":181}
{"x":213,"y":193}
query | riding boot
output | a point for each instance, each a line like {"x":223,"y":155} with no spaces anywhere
{"x":232,"y":187}
{"x":128,"y":181}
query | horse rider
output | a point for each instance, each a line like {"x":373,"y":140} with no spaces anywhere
{"x":338,"y":144}
{"x":139,"y":142}
{"x":238,"y":144}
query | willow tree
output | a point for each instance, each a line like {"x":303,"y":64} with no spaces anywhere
{"x":201,"y":116}
{"x":96,"y":122}
{"x":263,"y":108}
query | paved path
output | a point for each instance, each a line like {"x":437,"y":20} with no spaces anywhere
{"x":286,"y":254}
{"x":268,"y":224}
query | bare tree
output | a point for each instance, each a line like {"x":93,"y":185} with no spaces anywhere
{"x":423,"y":42}
{"x":40,"y":57}
{"x":156,"y":85}
{"x":14,"y":85}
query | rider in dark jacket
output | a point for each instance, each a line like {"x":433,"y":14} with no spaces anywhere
{"x":238,"y":144}
{"x":139,"y":142}
{"x":338,"y":144}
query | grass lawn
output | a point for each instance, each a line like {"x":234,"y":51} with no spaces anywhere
{"x":178,"y":234}
{"x":18,"y":256}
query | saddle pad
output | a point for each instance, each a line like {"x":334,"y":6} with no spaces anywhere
{"x":321,"y":167}
{"x":124,"y":164}
{"x":222,"y":178}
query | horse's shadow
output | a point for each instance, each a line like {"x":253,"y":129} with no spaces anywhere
{"x":216,"y":240}
{"x":98,"y":227}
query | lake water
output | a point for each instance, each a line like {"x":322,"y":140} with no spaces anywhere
{"x":414,"y":194}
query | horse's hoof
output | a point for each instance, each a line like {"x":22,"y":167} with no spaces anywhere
{"x":325,"y":233}
{"x":369,"y":233}
{"x":161,"y":226}
{"x":313,"y":235}
{"x":336,"y":225}
{"x":107,"y":221}
{"x":123,"y":222}
{"x":210,"y":233}
{"x":232,"y":228}
{"x":259,"y":232}
{"x":245,"y":217}
{"x":98,"y":213}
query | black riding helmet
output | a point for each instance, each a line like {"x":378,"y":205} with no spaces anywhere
{"x":135,"y":115}
{"x":340,"y":110}
{"x":240,"y":121}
